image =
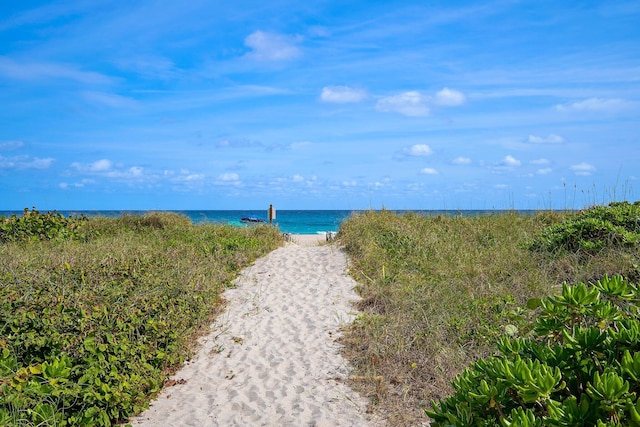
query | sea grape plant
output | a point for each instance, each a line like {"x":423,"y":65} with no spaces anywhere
{"x":36,"y":226}
{"x":580,"y":365}
{"x":593,"y":229}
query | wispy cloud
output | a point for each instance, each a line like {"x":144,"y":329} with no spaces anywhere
{"x":41,"y":14}
{"x":49,"y":70}
{"x":411,"y":104}
{"x":428,"y":171}
{"x":593,"y":105}
{"x":418,"y":150}
{"x":417,"y":104}
{"x":79,"y":184}
{"x":186,"y":176}
{"x":449,"y":97}
{"x":109,"y":100}
{"x":549,"y":139}
{"x":342,"y":94}
{"x":272,"y":46}
{"x":237,"y":143}
{"x":461,"y":161}
{"x":11,"y":145}
{"x":540,"y":162}
{"x":228,"y":178}
{"x":106,"y":168}
{"x":510,"y":161}
{"x":98,"y":166}
{"x":152,"y":67}
{"x":583,"y":169}
{"x":25,"y":162}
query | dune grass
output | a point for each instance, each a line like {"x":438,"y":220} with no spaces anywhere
{"x":91,"y":322}
{"x":439,"y":291}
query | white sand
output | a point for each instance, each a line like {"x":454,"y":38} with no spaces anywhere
{"x":271,"y":359}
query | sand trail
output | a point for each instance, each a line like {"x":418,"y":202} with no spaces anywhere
{"x":271,"y":359}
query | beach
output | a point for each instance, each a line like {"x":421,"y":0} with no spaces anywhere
{"x":272,"y":358}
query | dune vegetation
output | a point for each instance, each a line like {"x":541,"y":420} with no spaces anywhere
{"x":501,"y":319}
{"x":94,"y":313}
{"x":447,"y":299}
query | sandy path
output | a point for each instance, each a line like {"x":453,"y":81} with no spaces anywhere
{"x":271,"y":359}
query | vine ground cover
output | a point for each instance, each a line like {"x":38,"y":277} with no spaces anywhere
{"x":94,"y":315}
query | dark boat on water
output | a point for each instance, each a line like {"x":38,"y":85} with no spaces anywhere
{"x":252,"y":219}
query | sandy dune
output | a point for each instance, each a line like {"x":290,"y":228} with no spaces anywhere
{"x":271,"y":359}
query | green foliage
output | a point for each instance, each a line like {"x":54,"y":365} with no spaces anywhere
{"x":591,"y":230}
{"x":581,"y":366}
{"x":36,"y":226}
{"x":89,"y":330}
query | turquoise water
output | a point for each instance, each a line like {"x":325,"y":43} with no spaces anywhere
{"x":288,"y":221}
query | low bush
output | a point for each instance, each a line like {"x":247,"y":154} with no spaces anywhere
{"x":580,"y":366}
{"x":594,"y":229}
{"x":33,"y":225}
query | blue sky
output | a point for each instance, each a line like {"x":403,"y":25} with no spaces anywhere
{"x":318,"y":105}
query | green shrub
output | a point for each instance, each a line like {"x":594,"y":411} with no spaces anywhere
{"x":596,"y":228}
{"x":35,"y":226}
{"x":581,"y":366}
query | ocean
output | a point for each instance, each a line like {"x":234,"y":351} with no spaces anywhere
{"x":288,"y":221}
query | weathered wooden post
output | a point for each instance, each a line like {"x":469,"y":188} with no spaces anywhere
{"x":271,"y":214}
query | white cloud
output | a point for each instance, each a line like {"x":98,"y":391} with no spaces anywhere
{"x":543,"y":171}
{"x":25,"y":162}
{"x":411,"y":104}
{"x":80,"y":184}
{"x":417,"y":104}
{"x":11,"y":145}
{"x":155,"y":67}
{"x":109,"y":100}
{"x":549,"y":139}
{"x":540,"y":162}
{"x":428,"y":171}
{"x":298,"y":178}
{"x":511,"y":161}
{"x":342,"y":94}
{"x":106,"y":168}
{"x":300,"y":145}
{"x":187,"y":177}
{"x":593,"y":105}
{"x":237,"y":143}
{"x":47,"y":70}
{"x":136,"y":171}
{"x":229,"y":176}
{"x":100,"y":166}
{"x":38,"y":163}
{"x":461,"y":161}
{"x":272,"y":46}
{"x":583,"y":169}
{"x":418,"y":150}
{"x":450,"y":97}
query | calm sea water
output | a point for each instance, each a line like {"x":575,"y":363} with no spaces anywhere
{"x":288,"y":221}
